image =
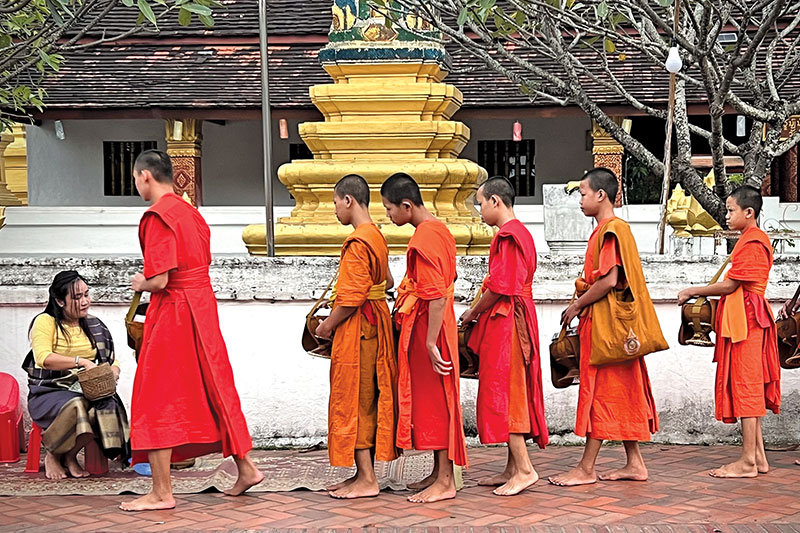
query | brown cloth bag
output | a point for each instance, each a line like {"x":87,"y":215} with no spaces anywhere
{"x":312,"y":344}
{"x":468,"y":361}
{"x":788,"y":330}
{"x":135,"y":329}
{"x":698,"y":318}
{"x":624,"y":323}
{"x":565,"y":355}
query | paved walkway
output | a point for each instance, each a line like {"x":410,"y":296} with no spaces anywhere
{"x":680,"y":497}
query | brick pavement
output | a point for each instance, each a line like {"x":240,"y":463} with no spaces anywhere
{"x":680,"y":497}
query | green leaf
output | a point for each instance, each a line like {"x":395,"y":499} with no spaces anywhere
{"x":665,"y":3}
{"x":609,"y":45}
{"x":206,"y":20}
{"x":127,"y":3}
{"x":602,"y":10}
{"x":462,"y":17}
{"x":196,"y":8}
{"x":184,"y":17}
{"x":147,"y":11}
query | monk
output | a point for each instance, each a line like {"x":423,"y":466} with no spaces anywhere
{"x":429,"y":406}
{"x":184,"y":401}
{"x":361,"y":411}
{"x":615,"y":401}
{"x":748,"y":380}
{"x":510,"y":403}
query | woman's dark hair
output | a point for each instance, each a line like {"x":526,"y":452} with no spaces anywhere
{"x":62,"y":284}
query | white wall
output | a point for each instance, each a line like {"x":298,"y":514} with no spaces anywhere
{"x":561,"y":153}
{"x":70,"y":172}
{"x":284,"y":391}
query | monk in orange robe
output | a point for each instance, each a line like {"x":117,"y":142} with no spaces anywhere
{"x":615,"y":401}
{"x":748,"y":378}
{"x":184,"y":401}
{"x":429,"y":406}
{"x":361,"y":411}
{"x":510,"y":403}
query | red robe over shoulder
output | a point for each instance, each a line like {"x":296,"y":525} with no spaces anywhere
{"x":615,"y":401}
{"x":507,"y":339}
{"x":748,"y":378}
{"x":363,"y":266}
{"x":429,"y":416}
{"x":184,"y":395}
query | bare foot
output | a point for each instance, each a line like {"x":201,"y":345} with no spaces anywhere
{"x":576,"y":476}
{"x":74,"y":468}
{"x":495,"y":481}
{"x":249,"y":476}
{"x":424,"y":483}
{"x":53,"y":468}
{"x":341,"y":484}
{"x":628,"y":473}
{"x":517,"y":484}
{"x":148,"y":502}
{"x":437,"y":491}
{"x":762,"y":466}
{"x":736,"y":469}
{"x":360,"y":488}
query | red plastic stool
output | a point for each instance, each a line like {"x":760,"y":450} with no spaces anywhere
{"x":96,"y":462}
{"x":12,"y":434}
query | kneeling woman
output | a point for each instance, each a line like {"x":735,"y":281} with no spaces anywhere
{"x":64,"y":340}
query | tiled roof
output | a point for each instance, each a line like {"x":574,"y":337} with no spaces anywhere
{"x":228,"y":77}
{"x":237,"y":18}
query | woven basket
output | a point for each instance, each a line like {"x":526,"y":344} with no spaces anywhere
{"x":98,"y":382}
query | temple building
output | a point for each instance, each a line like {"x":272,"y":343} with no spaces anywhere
{"x":196,"y":92}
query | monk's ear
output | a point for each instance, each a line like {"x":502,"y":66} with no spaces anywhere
{"x":406,"y":204}
{"x":749,"y":212}
{"x":495,"y":200}
{"x":348,"y":201}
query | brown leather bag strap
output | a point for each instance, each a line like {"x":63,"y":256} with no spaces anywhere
{"x":322,"y":299}
{"x":137,"y":297}
{"x":563,"y":332}
{"x":701,"y":300}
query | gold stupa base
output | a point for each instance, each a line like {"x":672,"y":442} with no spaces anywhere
{"x":325,"y":239}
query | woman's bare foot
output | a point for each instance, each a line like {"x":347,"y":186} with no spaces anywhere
{"x":74,"y":468}
{"x":495,"y":481}
{"x":762,"y":467}
{"x":148,"y":502}
{"x":249,"y":476}
{"x":517,"y":484}
{"x":424,"y":483}
{"x":576,"y":476}
{"x":341,"y":484}
{"x":628,"y":473}
{"x":53,"y":468}
{"x":437,"y":491}
{"x":359,"y":488}
{"x":735,"y":470}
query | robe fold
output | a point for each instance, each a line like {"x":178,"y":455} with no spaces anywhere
{"x":184,"y":396}
{"x":506,"y":336}
{"x":746,"y":352}
{"x":615,"y":401}
{"x":362,"y":406}
{"x":429,"y":405}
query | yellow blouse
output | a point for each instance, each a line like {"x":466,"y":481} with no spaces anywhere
{"x":47,"y":338}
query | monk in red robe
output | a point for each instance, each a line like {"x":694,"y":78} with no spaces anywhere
{"x":361,"y":411}
{"x":184,"y":401}
{"x":510,"y":403}
{"x":429,"y":416}
{"x":748,"y":378}
{"x":615,"y":401}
